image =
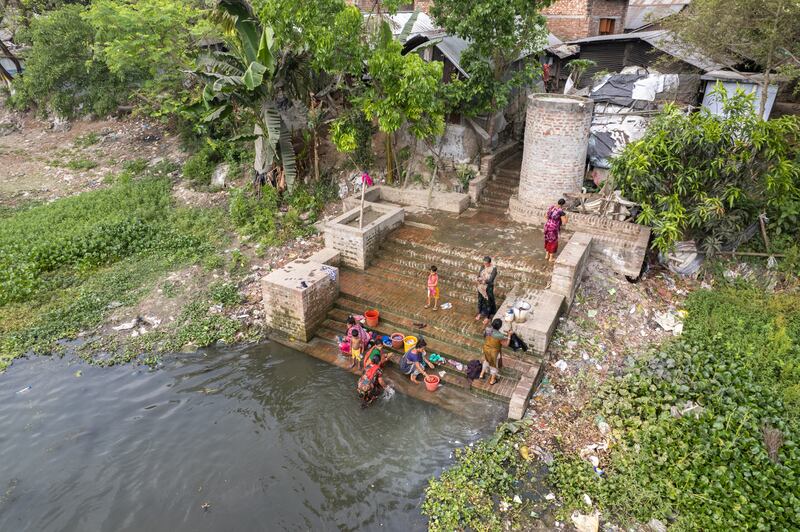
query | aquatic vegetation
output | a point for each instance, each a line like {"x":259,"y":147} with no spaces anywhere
{"x":704,"y":429}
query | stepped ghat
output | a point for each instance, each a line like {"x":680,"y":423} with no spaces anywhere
{"x":384,"y":264}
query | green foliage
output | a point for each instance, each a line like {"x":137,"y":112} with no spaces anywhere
{"x":81,"y":163}
{"x":352,"y":134}
{"x":199,"y":167}
{"x":763,"y":33}
{"x":225,"y":293}
{"x":404,"y":89}
{"x":711,"y":467}
{"x":577,"y":67}
{"x":84,"y":141}
{"x":516,"y":27}
{"x":465,"y":496}
{"x":707,"y":177}
{"x":92,"y":59}
{"x":59,"y":71}
{"x":271,"y":219}
{"x":465,"y":174}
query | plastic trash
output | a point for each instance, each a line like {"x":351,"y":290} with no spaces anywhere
{"x":561,"y":365}
{"x":25,"y":389}
{"x":550,"y":496}
{"x":446,"y":306}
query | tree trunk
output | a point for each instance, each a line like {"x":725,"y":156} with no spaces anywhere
{"x":410,"y":166}
{"x":762,"y":103}
{"x":389,"y":160}
{"x":490,"y":129}
{"x":316,"y":155}
{"x":11,"y":56}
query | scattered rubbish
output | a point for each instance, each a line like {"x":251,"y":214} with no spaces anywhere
{"x":604,"y":427}
{"x":633,"y":310}
{"x":113,"y":305}
{"x":657,"y":526}
{"x":685,"y":259}
{"x":591,"y":313}
{"x":151,"y":321}
{"x":670,"y":321}
{"x":599,"y":471}
{"x":441,"y":374}
{"x":504,"y":506}
{"x":612,"y":291}
{"x":78,"y":373}
{"x":517,"y":499}
{"x":689,"y":407}
{"x":586,"y":523}
{"x":216,"y":309}
{"x":25,"y":389}
{"x":525,"y":453}
{"x":128,"y":325}
{"x":446,"y":306}
{"x":206,"y":506}
{"x":595,"y":461}
{"x":550,"y":496}
{"x":544,"y":456}
{"x":561,"y":365}
{"x":587,"y":500}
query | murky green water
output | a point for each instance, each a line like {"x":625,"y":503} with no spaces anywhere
{"x":271,"y":439}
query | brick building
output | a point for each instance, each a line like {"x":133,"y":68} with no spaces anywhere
{"x":576,"y":19}
{"x":411,"y":5}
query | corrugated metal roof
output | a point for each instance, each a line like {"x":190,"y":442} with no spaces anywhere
{"x":639,"y":17}
{"x":661,"y":39}
{"x":452,"y":48}
{"x":423,"y":24}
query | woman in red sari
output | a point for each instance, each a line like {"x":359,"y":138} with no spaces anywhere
{"x":554,"y":219}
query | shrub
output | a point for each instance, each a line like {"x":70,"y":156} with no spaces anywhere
{"x":465,"y":496}
{"x":59,"y":71}
{"x":199,"y":168}
{"x":707,"y":176}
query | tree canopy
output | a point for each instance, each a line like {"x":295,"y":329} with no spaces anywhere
{"x":707,"y":177}
{"x":761,"y":33}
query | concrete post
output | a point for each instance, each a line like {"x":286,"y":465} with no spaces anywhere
{"x":554,"y":153}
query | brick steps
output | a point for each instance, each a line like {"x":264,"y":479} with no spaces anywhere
{"x":457,"y":257}
{"x":497,"y":189}
{"x":507,"y":172}
{"x":496,"y":203}
{"x":501,"y":391}
{"x":415,"y":277}
{"x":459,"y":331}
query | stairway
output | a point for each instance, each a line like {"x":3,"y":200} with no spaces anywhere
{"x":395,"y":284}
{"x":503,"y":185}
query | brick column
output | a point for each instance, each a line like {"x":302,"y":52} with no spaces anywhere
{"x":554,"y":153}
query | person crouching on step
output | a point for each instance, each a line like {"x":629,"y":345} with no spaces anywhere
{"x":414,"y":361}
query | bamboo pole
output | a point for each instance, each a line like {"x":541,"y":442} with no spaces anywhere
{"x":750,"y":254}
{"x":363,"y":190}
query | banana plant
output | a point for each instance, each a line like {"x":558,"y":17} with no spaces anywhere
{"x":254,"y":76}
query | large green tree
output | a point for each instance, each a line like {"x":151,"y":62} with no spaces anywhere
{"x":763,"y":32}
{"x":499,"y":33}
{"x":707,"y":177}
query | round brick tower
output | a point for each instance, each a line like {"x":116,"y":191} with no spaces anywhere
{"x":554,"y":153}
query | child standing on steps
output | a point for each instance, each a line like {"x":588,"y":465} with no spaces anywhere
{"x":433,"y":289}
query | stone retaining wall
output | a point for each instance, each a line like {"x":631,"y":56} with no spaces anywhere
{"x":454,"y":202}
{"x":622,"y":245}
{"x":569,"y":266}
{"x":358,"y":246}
{"x":297,"y":297}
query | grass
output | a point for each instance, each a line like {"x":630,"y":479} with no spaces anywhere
{"x":62,"y":264}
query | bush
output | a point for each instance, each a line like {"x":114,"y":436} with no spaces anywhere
{"x":199,"y":168}
{"x":707,"y":177}
{"x":60,"y":74}
{"x":695,"y":423}
{"x":264,"y":220}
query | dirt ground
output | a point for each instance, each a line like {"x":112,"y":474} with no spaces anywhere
{"x":42,"y":161}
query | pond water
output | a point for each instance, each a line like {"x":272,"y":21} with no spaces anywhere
{"x":271,"y":439}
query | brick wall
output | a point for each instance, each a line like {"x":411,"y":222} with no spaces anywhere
{"x":554,"y":153}
{"x":294,"y":309}
{"x":575,"y":19}
{"x":621,"y":245}
{"x":358,"y":246}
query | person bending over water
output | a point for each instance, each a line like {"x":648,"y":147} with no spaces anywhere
{"x":414,"y":361}
{"x":371,"y":383}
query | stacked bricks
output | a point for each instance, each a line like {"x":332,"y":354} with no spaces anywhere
{"x":554,"y":154}
{"x":297,"y":297}
{"x":358,"y":245}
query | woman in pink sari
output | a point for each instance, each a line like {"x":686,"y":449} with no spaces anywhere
{"x":554,"y":219}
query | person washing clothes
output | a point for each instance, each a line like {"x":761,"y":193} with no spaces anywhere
{"x":433,"y":289}
{"x":414,"y":361}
